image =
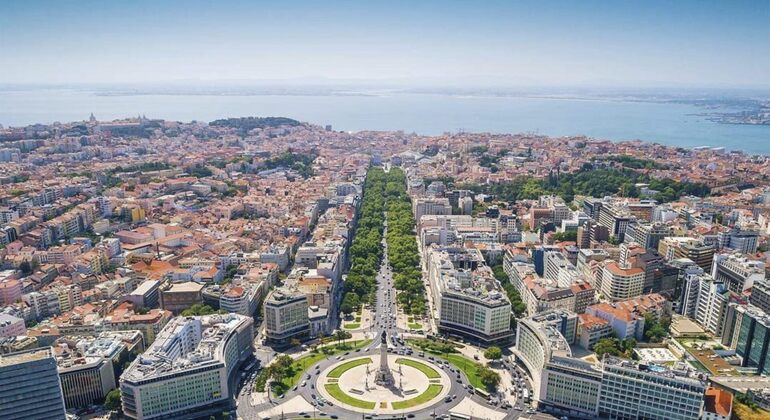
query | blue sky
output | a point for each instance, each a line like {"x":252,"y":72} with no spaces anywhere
{"x":683,"y":42}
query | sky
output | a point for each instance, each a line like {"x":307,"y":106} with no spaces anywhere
{"x":505,"y":43}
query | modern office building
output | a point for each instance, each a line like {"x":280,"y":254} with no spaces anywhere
{"x":701,"y":253}
{"x":760,"y":295}
{"x":570,"y":387}
{"x":470,"y":301}
{"x":431,"y":206}
{"x":541,"y":337}
{"x":591,"y":232}
{"x":29,"y":386}
{"x":86,"y":368}
{"x":632,"y":390}
{"x":743,"y":240}
{"x":647,"y":235}
{"x":187,"y":367}
{"x":611,"y":389}
{"x":713,"y":297}
{"x":147,"y":295}
{"x":747,"y":330}
{"x":738,"y":272}
{"x":286,"y":316}
{"x":616,"y":219}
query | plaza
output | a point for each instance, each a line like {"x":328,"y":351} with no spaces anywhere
{"x":415,"y":384}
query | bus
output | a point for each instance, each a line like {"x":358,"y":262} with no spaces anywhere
{"x":525,"y":395}
{"x":482,"y":393}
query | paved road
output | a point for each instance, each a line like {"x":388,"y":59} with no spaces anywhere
{"x":384,"y":312}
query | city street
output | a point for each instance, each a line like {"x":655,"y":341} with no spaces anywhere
{"x":384,"y":312}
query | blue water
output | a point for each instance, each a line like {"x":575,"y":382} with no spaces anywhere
{"x":672,"y":124}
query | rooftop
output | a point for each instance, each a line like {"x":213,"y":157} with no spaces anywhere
{"x":680,"y":371}
{"x":167,"y":355}
{"x":25,"y":356}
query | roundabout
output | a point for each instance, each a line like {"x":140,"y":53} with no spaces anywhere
{"x":361,"y":385}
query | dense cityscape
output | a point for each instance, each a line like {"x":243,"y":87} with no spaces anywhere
{"x":270,"y":268}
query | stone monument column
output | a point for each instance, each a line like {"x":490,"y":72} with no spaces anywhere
{"x":384,"y":376}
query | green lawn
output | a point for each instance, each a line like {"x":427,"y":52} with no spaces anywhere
{"x":352,"y":326}
{"x":415,"y":326}
{"x":429,"y":394}
{"x":467,"y":365}
{"x":339,"y":370}
{"x":336,"y":392}
{"x":422,"y":367}
{"x":303,"y":363}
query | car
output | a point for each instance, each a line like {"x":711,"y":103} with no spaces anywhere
{"x":308,"y":376}
{"x":357,"y":350}
{"x":313,"y":396}
{"x":294,"y":389}
{"x":302,"y":413}
{"x":334,"y":416}
{"x":339,"y":357}
{"x":312,"y":386}
{"x":303,"y":383}
{"x":458,"y":380}
{"x":410,"y":416}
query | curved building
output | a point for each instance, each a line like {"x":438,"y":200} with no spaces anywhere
{"x":188,"y":366}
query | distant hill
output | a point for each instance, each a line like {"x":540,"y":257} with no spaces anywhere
{"x":245,"y":124}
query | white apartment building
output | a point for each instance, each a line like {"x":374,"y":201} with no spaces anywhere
{"x":187,"y":366}
{"x":621,"y":283}
{"x":470,"y":301}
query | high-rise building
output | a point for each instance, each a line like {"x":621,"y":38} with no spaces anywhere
{"x":431,"y":206}
{"x":286,"y":316}
{"x":539,"y":338}
{"x":747,"y":330}
{"x":591,"y":232}
{"x":647,"y":235}
{"x":673,"y":248}
{"x":645,"y":391}
{"x":29,"y":386}
{"x":743,"y":240}
{"x":760,"y":295}
{"x":738,"y":272}
{"x":616,"y":220}
{"x":620,"y":283}
{"x":713,"y":297}
{"x":187,"y":367}
{"x":86,"y":368}
{"x":470,"y":301}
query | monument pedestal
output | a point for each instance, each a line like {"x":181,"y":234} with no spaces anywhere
{"x":384,"y":376}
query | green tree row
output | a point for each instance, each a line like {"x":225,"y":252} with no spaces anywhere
{"x":366,"y":249}
{"x":402,"y":246}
